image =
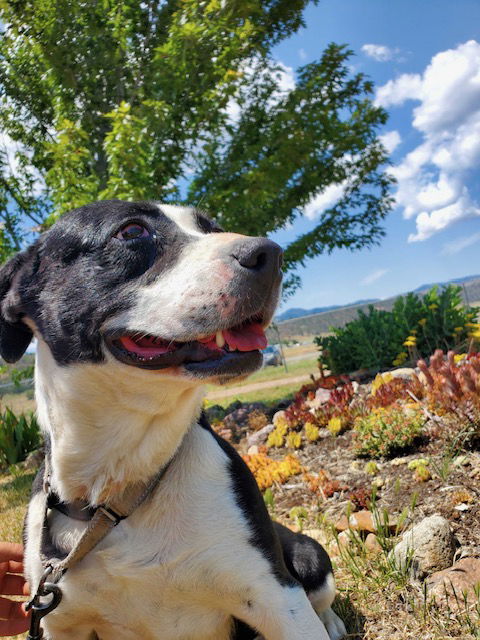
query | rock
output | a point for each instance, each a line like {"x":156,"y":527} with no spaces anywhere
{"x":396,"y":462}
{"x":237,"y":420}
{"x":278,"y":418}
{"x":359,"y":521}
{"x":372,"y":544}
{"x":321,"y":397}
{"x":365,"y":521}
{"x":455,"y":586}
{"x":226,"y":434}
{"x":316,"y":534}
{"x":427,"y":547}
{"x":461,"y":461}
{"x":405,"y":373}
{"x":34,"y":459}
{"x":344,"y":539}
{"x":259,"y":436}
{"x":253,"y":450}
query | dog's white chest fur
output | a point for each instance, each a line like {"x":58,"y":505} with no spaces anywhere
{"x":168,"y":569}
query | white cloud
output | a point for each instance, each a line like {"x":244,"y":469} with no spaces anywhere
{"x":379,"y":52}
{"x":390,"y":140}
{"x":286,"y":77}
{"x":302,"y":54}
{"x":433,"y":177}
{"x":405,"y":87}
{"x":324,"y":200}
{"x":455,"y":246}
{"x":9,"y":148}
{"x":11,"y":165}
{"x":374,"y":276}
{"x":284,"y":74}
{"x":429,"y":223}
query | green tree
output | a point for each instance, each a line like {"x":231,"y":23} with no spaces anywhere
{"x":126,"y":99}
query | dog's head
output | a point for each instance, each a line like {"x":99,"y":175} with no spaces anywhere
{"x":153,"y":286}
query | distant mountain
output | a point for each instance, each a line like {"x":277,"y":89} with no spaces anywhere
{"x":318,"y":323}
{"x":425,"y":287}
{"x":298,"y":312}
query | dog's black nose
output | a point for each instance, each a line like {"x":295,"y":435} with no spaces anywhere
{"x":259,"y":255}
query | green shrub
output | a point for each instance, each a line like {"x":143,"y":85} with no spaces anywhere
{"x":386,"y":431}
{"x":18,"y":375}
{"x":415,"y":327}
{"x":18,"y":436}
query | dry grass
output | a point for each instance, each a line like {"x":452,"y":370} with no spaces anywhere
{"x":14,"y":493}
{"x":376,"y":600}
{"x":19,"y":402}
{"x":379,"y":602}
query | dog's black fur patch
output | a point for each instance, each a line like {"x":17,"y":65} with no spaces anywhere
{"x":306,"y":559}
{"x":56,"y":284}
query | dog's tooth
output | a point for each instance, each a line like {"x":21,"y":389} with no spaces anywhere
{"x":219,"y":339}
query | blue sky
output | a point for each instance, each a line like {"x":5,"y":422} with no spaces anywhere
{"x":424,"y":58}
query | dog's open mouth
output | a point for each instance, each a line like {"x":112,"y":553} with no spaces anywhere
{"x":233,"y":351}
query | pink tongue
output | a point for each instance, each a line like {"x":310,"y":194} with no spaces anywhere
{"x":247,"y":338}
{"x":146,"y":346}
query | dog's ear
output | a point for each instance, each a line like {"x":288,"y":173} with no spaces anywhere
{"x":15,"y":336}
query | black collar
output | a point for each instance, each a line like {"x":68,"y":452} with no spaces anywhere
{"x":78,"y":509}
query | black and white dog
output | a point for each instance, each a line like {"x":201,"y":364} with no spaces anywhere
{"x":135,"y":306}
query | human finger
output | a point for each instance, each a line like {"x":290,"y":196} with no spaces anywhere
{"x":13,"y":627}
{"x":11,"y":551}
{"x":12,"y":585}
{"x":12,"y":610}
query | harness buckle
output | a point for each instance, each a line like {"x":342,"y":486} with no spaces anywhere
{"x":39,"y":609}
{"x":111,"y":514}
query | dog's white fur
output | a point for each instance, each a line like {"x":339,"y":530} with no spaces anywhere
{"x":172,"y":562}
{"x":183,"y":563}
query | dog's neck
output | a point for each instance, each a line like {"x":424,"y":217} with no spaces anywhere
{"x":109,"y":425}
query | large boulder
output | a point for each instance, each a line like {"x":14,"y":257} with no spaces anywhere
{"x":427,"y":547}
{"x":456,"y":586}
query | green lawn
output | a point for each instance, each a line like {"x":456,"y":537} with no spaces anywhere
{"x":296,"y":368}
{"x":268,"y":396}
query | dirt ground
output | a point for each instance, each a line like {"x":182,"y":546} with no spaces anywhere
{"x":396,"y":486}
{"x":257,"y":386}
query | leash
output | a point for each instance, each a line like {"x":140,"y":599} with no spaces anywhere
{"x":103,"y":519}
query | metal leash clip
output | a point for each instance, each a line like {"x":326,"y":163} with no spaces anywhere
{"x":40,"y":610}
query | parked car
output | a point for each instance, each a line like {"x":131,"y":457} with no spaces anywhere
{"x":272,"y":355}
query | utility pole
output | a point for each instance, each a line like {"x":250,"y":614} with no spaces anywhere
{"x":275,"y":328}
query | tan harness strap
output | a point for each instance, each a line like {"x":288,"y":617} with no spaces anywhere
{"x":106,"y":517}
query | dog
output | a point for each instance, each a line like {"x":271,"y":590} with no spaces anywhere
{"x":135,"y":306}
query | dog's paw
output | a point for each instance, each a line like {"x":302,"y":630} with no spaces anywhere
{"x":334,"y":624}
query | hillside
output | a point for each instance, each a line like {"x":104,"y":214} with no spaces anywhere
{"x":318,"y":323}
{"x":298,"y":312}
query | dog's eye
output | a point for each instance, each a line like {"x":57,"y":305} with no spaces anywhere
{"x":133,"y":231}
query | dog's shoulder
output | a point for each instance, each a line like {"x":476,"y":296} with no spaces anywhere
{"x":250,"y":501}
